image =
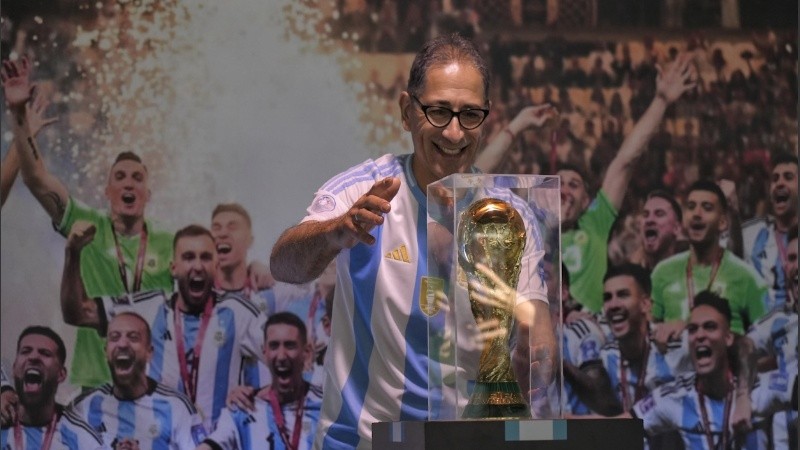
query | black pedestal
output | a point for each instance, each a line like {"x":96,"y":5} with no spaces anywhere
{"x":558,"y":434}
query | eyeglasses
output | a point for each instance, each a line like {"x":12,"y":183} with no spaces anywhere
{"x":440,"y":116}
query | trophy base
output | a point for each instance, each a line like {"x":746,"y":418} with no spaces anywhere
{"x":497,"y":400}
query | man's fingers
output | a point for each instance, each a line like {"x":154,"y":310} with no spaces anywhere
{"x":385,"y":189}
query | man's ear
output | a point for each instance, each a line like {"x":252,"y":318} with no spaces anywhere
{"x":406,"y":107}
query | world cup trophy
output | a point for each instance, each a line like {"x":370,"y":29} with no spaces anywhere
{"x":491,"y":232}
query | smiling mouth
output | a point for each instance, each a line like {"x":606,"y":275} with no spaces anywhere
{"x":123,"y":361}
{"x":224,"y":249}
{"x":197,"y":284}
{"x":128,"y":199}
{"x":32,"y":380}
{"x":616,"y":317}
{"x":449,"y":151}
{"x":702,"y":352}
{"x":780,"y":198}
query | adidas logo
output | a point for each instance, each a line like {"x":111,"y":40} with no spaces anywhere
{"x":399,"y":254}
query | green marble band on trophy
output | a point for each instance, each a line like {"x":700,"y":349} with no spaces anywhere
{"x":492,"y":232}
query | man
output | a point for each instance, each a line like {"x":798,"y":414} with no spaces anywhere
{"x":231,"y":227}
{"x":286,"y":412}
{"x":586,"y":223}
{"x":199,"y":337}
{"x":130,"y":254}
{"x":699,"y":404}
{"x":134,"y":408}
{"x":660,"y":232}
{"x":377,"y":359}
{"x":705,"y":266}
{"x":775,"y":339}
{"x":765,"y":238}
{"x":631,"y":365}
{"x":40,"y":422}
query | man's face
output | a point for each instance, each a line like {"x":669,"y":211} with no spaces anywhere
{"x":574,"y":197}
{"x":127,"y":190}
{"x":128,"y":349}
{"x":709,"y":339}
{"x":439,"y":152}
{"x":703,"y":218}
{"x":792,"y":271}
{"x":625,"y":305}
{"x":193,"y":267}
{"x":659,"y":226}
{"x":286,"y":354}
{"x":37,"y":370}
{"x":783,"y":190}
{"x":233,"y":238}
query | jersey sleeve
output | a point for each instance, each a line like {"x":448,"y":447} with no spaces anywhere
{"x":75,"y":211}
{"x":226,"y":435}
{"x":773,"y":392}
{"x":189,"y":432}
{"x":583,"y":341}
{"x":145,"y":304}
{"x":657,"y":412}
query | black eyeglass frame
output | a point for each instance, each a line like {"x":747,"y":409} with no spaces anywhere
{"x":455,"y":114}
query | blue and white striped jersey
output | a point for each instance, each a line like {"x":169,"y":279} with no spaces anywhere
{"x":377,"y":360}
{"x":71,"y":433}
{"x":235,"y":331}
{"x":161,"y":419}
{"x":661,"y":367}
{"x":582,"y":341}
{"x":676,"y":406}
{"x":776,"y":334}
{"x":762,"y":251}
{"x":258,"y":430}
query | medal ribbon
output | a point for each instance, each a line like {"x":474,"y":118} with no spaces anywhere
{"x":48,"y":435}
{"x":725,"y":418}
{"x":690,"y":278}
{"x":123,"y":273}
{"x":280,"y":421}
{"x":639,"y":390}
{"x":189,"y":376}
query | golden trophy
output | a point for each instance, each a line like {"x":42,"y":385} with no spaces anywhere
{"x":491,"y":232}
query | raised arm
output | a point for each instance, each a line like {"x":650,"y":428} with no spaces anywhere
{"x":48,"y":190}
{"x":531,"y":116}
{"x":76,"y":307}
{"x":305,"y":250}
{"x":670,"y":85}
{"x":33,"y":105}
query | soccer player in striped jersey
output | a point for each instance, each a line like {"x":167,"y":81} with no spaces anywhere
{"x":41,"y":423}
{"x":285,"y":414}
{"x":700,"y":404}
{"x":775,"y":338}
{"x":373,"y":219}
{"x":765,"y":238}
{"x":199,"y":337}
{"x":134,"y":408}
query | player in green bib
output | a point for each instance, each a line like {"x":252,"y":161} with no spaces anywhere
{"x":705,"y":266}
{"x":586,"y":223}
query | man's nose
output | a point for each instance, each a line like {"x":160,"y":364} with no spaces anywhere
{"x":453,"y":131}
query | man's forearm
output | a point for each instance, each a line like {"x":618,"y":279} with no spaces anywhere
{"x":76,"y":308}
{"x":593,"y":386}
{"x":9,"y":172}
{"x":47,"y":189}
{"x":304,"y":251}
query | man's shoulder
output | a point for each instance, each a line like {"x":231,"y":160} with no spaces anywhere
{"x":235,"y":301}
{"x":173,"y":396}
{"x":73,"y":421}
{"x":671,"y":262}
{"x":756,"y":224}
{"x":141,"y":299}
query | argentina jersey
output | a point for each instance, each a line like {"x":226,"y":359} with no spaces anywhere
{"x":581,"y":344}
{"x":661,"y":367}
{"x":235,"y":331}
{"x":762,"y":252}
{"x":161,"y":419}
{"x":70,"y":433}
{"x":676,"y":406}
{"x":256,"y":430}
